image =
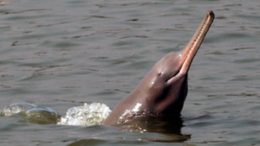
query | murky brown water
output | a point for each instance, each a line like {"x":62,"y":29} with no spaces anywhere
{"x":65,"y":52}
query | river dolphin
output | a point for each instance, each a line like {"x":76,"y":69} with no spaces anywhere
{"x":162,"y":92}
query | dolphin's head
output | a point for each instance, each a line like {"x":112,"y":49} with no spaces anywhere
{"x":168,"y":78}
{"x":167,"y":86}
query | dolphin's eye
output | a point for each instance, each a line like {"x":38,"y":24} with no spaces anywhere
{"x":159,"y":74}
{"x":163,"y":76}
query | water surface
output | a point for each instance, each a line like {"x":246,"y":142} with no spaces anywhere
{"x":63,"y":53}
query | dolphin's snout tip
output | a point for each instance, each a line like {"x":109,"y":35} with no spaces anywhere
{"x":211,"y":13}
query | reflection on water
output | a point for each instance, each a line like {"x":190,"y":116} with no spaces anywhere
{"x":65,"y":53}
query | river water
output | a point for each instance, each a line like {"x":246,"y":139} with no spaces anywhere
{"x":64,"y":53}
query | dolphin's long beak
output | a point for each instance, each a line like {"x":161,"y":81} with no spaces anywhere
{"x":189,"y":52}
{"x":194,"y":44}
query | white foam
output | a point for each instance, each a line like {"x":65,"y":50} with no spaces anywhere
{"x":130,"y":112}
{"x":86,"y":115}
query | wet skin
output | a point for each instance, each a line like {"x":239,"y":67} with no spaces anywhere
{"x":162,"y":92}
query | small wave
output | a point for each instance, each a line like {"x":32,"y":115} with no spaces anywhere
{"x":86,"y":115}
{"x":31,"y":112}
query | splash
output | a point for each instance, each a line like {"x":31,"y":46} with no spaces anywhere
{"x":86,"y":115}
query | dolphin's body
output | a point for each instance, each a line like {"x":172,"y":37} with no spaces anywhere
{"x":162,"y":92}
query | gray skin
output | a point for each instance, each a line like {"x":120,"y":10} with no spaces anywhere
{"x":162,"y":92}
